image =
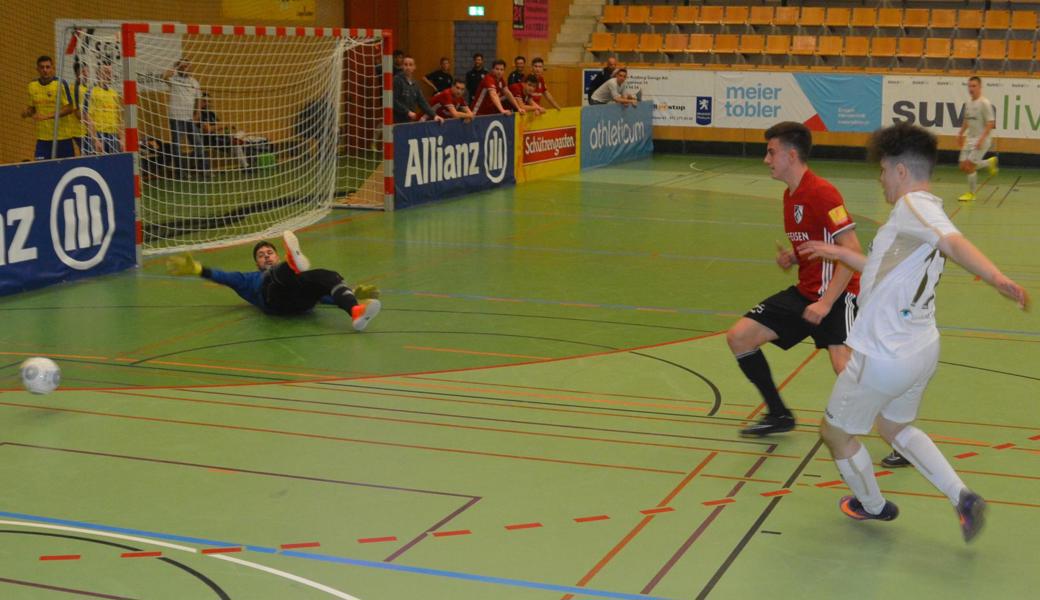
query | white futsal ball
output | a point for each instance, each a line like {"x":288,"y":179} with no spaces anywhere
{"x":40,"y":375}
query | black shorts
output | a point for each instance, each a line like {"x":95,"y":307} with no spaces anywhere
{"x":782,"y":312}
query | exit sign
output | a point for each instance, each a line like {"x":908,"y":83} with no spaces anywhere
{"x":476,"y":11}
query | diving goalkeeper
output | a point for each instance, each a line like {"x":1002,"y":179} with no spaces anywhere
{"x":287,"y":288}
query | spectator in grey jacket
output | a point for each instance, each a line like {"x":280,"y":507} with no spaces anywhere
{"x":409,"y":102}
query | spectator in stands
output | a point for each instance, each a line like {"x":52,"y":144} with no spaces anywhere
{"x":43,"y":93}
{"x":451,"y":103}
{"x":523,"y":95}
{"x":217,"y":137}
{"x":602,"y":77}
{"x":104,"y":115}
{"x":540,"y":92}
{"x":398,"y":61}
{"x":615,"y":90}
{"x":409,"y":102}
{"x":440,"y":79}
{"x":79,"y":100}
{"x":474,"y":76}
{"x":517,"y":76}
{"x":183,"y":111}
{"x":979,"y":121}
{"x":488,"y":100}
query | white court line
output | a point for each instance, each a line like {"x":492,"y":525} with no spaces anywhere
{"x":318,"y":586}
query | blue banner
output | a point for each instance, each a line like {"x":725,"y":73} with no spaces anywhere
{"x":612,"y":133}
{"x":844,"y":102}
{"x":438,"y":160}
{"x":62,"y":220}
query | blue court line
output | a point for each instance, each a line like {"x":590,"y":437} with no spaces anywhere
{"x":567,"y":589}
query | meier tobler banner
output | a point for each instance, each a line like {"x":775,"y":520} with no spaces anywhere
{"x":437,"y":160}
{"x":612,"y":133}
{"x":62,"y":220}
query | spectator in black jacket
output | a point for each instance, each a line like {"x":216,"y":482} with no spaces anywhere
{"x":474,"y":76}
{"x":409,"y":102}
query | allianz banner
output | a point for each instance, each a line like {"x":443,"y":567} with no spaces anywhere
{"x":438,"y":160}
{"x":62,"y":220}
{"x":612,"y":133}
{"x":548,"y":144}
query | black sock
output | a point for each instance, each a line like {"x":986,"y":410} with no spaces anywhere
{"x":344,"y":297}
{"x":756,"y":369}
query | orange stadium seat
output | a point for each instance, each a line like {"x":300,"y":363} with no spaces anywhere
{"x":778,"y":44}
{"x":637,"y":14}
{"x":613,"y":14}
{"x":1020,"y":50}
{"x":967,"y":49}
{"x":602,"y":41}
{"x":685,"y":15}
{"x":889,"y":18}
{"x":883,"y":47}
{"x":864,"y":17}
{"x":910,"y":48}
{"x":700,"y":43}
{"x":752,"y":44}
{"x":943,"y":18}
{"x":993,"y":50}
{"x":735,"y":16}
{"x":676,"y":43}
{"x":838,"y":18}
{"x":651,"y":43}
{"x":857,"y":46}
{"x":626,"y":42}
{"x":760,"y":16}
{"x":968,"y":18}
{"x":785,"y":16}
{"x":661,"y":15}
{"x":803,"y":45}
{"x":710,"y":15}
{"x":1024,"y":20}
{"x":812,"y":16}
{"x":830,"y":45}
{"x":937,"y":48}
{"x":916,"y":18}
{"x":999,"y":20}
{"x":726,"y":43}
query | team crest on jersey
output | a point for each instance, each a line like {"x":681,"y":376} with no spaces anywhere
{"x":799,"y":212}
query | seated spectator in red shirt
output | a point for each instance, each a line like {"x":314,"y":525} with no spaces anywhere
{"x":488,"y":99}
{"x":451,"y":102}
{"x":524,"y":93}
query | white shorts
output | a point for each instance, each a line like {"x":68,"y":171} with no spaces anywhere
{"x":973,"y":155}
{"x":869,"y":386}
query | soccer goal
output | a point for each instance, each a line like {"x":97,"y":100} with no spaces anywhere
{"x":238,"y":132}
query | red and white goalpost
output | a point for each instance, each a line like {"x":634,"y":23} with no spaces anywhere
{"x":300,"y":123}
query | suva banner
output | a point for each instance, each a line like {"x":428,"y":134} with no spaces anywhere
{"x":65,"y":219}
{"x":938,"y":103}
{"x":612,"y":133}
{"x":437,"y":160}
{"x":548,"y":144}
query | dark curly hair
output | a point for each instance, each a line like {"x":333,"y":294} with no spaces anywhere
{"x":793,"y":135}
{"x":913,"y":146}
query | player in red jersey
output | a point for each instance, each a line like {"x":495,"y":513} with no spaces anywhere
{"x":450,"y":103}
{"x":823,"y":303}
{"x":540,"y":92}
{"x":524,"y":93}
{"x":488,"y":99}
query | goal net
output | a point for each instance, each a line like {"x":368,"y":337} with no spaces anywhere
{"x":239,"y":132}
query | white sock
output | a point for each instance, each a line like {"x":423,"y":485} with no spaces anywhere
{"x":973,"y":181}
{"x":982,"y":162}
{"x":920,"y":450}
{"x":858,"y":473}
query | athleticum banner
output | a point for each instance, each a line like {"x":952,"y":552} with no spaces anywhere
{"x":612,"y":133}
{"x":548,"y":144}
{"x":438,"y":160}
{"x":65,"y":219}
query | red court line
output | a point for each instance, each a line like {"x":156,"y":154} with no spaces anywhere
{"x":830,"y":483}
{"x":782,"y":492}
{"x":516,"y":526}
{"x":966,"y":455}
{"x":882,"y":473}
{"x":140,"y":554}
{"x":375,"y":540}
{"x":655,"y":511}
{"x":1035,"y":437}
{"x":451,"y":533}
{"x":591,"y":519}
{"x":60,"y":557}
{"x":1004,"y":446}
{"x":744,"y":479}
{"x":221,"y":550}
{"x":475,"y":352}
{"x":300,"y":545}
{"x":718,"y":502}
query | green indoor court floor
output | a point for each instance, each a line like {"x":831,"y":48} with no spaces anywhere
{"x":546,"y":408}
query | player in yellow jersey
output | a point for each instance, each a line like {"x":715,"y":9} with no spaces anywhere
{"x":79,"y":94}
{"x":104,"y":112}
{"x":42,"y":100}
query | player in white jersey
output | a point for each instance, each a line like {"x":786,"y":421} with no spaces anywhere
{"x":894,"y":341}
{"x":979,"y":120}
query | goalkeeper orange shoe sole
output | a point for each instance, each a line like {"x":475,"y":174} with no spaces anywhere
{"x":298,"y":262}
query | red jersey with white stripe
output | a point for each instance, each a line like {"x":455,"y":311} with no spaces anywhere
{"x":521,"y":95}
{"x":816,"y":211}
{"x":482,"y":104}
{"x":445,"y":98}
{"x":539,"y":91}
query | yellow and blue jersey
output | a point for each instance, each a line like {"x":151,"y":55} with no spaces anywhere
{"x":42,"y":98}
{"x":105,"y":110}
